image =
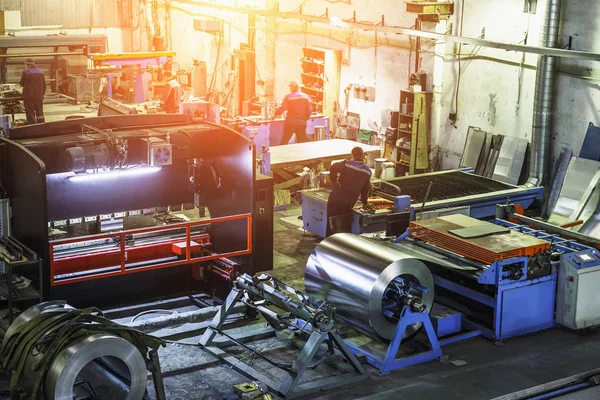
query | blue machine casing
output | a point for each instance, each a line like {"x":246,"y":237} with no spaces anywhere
{"x":518,"y":306}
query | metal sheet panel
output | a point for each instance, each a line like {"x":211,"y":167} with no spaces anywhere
{"x":10,"y":5}
{"x":579,"y":175}
{"x":510,"y":161}
{"x":81,"y":13}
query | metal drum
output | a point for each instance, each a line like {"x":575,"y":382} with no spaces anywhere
{"x":113,"y":366}
{"x":320,"y":132}
{"x":353,"y":273}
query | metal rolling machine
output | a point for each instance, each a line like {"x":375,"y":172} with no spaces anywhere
{"x":153,"y":204}
{"x":432,"y":192}
{"x":458,"y":277}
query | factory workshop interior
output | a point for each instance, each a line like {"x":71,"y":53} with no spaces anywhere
{"x":299,"y":199}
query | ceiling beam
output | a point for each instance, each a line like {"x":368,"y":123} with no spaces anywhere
{"x":544,"y":51}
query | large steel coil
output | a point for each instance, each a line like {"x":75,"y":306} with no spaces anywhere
{"x":112,"y":366}
{"x":353,"y":274}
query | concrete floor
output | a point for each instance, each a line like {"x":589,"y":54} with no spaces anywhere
{"x":474,"y":369}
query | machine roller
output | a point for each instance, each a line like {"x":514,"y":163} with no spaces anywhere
{"x":370,"y":284}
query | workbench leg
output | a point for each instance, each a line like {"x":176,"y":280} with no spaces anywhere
{"x":220,"y":318}
{"x":157,"y":378}
{"x":10,"y":296}
{"x":302,"y":362}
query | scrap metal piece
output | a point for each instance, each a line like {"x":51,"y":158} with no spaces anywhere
{"x":510,"y":160}
{"x":577,"y":179}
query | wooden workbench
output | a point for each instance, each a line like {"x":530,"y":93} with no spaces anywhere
{"x":308,"y":153}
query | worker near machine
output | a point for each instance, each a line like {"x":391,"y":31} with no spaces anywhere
{"x":34,"y":88}
{"x":350,"y":179}
{"x":172,"y":96}
{"x":168,"y":65}
{"x":298,"y":107}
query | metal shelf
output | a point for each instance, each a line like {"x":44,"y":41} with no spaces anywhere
{"x":313,"y":89}
{"x":313,"y":76}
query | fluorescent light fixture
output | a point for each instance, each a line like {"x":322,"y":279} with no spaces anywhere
{"x":337,"y":21}
{"x":114,"y":174}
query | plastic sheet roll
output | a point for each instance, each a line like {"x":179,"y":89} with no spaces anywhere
{"x":352,"y":273}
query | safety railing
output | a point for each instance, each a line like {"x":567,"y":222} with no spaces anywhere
{"x":59,"y":275}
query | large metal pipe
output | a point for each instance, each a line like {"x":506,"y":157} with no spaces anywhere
{"x":352,"y":273}
{"x":543,"y":103}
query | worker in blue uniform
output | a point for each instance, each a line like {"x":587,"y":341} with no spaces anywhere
{"x":350,"y":179}
{"x":299,"y":109}
{"x":34,"y":89}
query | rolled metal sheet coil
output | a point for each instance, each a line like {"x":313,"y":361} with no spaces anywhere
{"x":77,"y":359}
{"x":352,"y":273}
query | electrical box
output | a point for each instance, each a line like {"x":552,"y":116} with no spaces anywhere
{"x":160,"y":153}
{"x":208,"y":25}
{"x":362,"y":92}
{"x":431,"y":11}
{"x":577,"y":297}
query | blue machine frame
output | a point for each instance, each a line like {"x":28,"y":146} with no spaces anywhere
{"x":520,"y":306}
{"x":314,"y":211}
{"x":389,"y":362}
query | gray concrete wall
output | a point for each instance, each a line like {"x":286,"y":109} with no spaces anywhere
{"x":498,"y":96}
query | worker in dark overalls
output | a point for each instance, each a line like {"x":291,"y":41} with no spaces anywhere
{"x":350,"y":179}
{"x":34,"y":89}
{"x":172,"y":94}
{"x":299,"y":109}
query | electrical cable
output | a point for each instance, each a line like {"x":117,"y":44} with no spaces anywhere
{"x":191,"y":140}
{"x":157,"y":311}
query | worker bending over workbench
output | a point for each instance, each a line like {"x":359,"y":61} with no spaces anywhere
{"x":297,"y":105}
{"x":350,"y":179}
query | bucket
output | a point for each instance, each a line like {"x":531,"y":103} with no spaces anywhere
{"x":388,"y":171}
{"x":370,"y":159}
{"x":379,"y":166}
{"x":320,"y":132}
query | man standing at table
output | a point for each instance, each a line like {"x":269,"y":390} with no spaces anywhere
{"x":34,"y":88}
{"x":298,"y":107}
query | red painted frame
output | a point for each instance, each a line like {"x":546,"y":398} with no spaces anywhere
{"x":55,"y":264}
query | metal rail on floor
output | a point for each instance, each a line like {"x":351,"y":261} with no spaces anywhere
{"x":556,"y":388}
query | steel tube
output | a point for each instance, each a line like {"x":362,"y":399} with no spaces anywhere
{"x":352,"y":273}
{"x":543,"y":102}
{"x":165,"y":321}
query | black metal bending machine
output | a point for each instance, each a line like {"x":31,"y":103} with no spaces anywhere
{"x":155,"y":205}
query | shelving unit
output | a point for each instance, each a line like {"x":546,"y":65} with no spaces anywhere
{"x":413,"y":132}
{"x":320,"y":78}
{"x":11,"y":294}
